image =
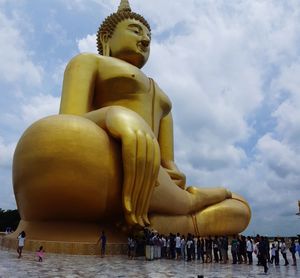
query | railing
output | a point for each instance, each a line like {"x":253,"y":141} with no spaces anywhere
{"x":73,"y":248}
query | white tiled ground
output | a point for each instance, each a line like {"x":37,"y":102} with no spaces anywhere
{"x":119,"y":266}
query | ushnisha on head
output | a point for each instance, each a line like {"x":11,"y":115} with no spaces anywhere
{"x":113,"y":38}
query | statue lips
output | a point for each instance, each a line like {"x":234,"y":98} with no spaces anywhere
{"x":143,"y":46}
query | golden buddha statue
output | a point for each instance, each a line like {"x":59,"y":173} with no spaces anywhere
{"x":107,"y":160}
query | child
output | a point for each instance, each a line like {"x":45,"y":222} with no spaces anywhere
{"x":21,"y":243}
{"x":273,"y":252}
{"x":40,"y":253}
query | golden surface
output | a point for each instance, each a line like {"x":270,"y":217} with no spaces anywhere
{"x":65,"y":247}
{"x":107,"y":161}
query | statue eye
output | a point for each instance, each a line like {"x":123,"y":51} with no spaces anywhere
{"x":134,"y":30}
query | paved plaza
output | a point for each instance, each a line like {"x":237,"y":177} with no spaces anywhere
{"x":119,"y":266}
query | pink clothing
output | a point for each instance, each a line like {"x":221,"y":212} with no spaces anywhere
{"x":40,"y":253}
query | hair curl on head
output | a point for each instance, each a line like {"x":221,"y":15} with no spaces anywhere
{"x":109,"y":24}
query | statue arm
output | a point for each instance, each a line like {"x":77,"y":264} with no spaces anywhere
{"x":141,"y":158}
{"x":166,"y":143}
{"x":78,"y":84}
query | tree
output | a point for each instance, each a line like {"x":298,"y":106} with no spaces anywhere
{"x":9,"y":218}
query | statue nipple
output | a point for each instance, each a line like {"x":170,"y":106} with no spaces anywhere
{"x":124,"y":6}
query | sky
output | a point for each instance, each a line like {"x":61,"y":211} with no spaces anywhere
{"x":230,"y":67}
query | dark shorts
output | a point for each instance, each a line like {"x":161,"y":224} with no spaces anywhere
{"x":178,"y":250}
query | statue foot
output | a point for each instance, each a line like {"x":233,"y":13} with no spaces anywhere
{"x":231,"y":216}
{"x":203,"y":197}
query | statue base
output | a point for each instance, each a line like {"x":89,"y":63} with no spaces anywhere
{"x":71,"y":248}
{"x":77,"y":238}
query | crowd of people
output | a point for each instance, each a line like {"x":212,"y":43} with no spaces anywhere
{"x":217,"y":249}
{"x":204,"y":249}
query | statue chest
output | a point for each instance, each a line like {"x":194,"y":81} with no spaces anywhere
{"x":126,"y":85}
{"x":121,"y":80}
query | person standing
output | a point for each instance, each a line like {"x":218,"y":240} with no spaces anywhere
{"x":178,"y":246}
{"x":133,"y":246}
{"x":40,"y":253}
{"x":195,"y":239}
{"x":255,"y":250}
{"x":128,"y":245}
{"x":164,"y":247}
{"x":267,"y":243}
{"x":234,"y":246}
{"x":189,"y":244}
{"x":249,"y":248}
{"x":273,"y":253}
{"x":298,"y":246}
{"x":183,"y":243}
{"x":202,"y":250}
{"x":284,"y":251}
{"x":172,"y":246}
{"x":199,"y":249}
{"x":293,"y":251}
{"x":21,"y":243}
{"x":102,"y":240}
{"x":239,"y":250}
{"x":262,"y":252}
{"x":168,"y":255}
{"x":243,"y":249}
{"x":224,"y":249}
{"x":208,"y":247}
{"x":276,"y":243}
{"x":216,"y":249}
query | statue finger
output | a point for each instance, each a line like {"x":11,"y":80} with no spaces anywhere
{"x":130,"y":219}
{"x":141,"y":168}
{"x":154,"y":174}
{"x":129,"y":150}
{"x":147,"y":180}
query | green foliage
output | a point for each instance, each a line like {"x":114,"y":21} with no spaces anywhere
{"x":9,"y":218}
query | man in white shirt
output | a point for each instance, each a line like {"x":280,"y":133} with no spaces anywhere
{"x":183,"y":242}
{"x":178,"y":246}
{"x":249,"y":245}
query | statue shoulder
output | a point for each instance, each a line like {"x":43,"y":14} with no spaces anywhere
{"x":86,"y":58}
{"x":89,"y":60}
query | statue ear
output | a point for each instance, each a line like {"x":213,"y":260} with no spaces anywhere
{"x":104,"y":39}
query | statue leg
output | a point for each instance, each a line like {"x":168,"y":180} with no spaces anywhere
{"x":67,"y":178}
{"x":208,"y":211}
{"x":188,"y":201}
{"x":228,"y":217}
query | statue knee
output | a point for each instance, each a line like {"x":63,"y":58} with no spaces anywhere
{"x":232,"y":215}
{"x":66,"y":167}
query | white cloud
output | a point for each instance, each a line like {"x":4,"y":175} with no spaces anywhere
{"x":81,"y":5}
{"x":15,"y":61}
{"x":39,"y":107}
{"x":288,"y":119}
{"x":6,"y":151}
{"x":58,"y":73}
{"x":231,"y":69}
{"x":280,"y":157}
{"x":88,"y":44}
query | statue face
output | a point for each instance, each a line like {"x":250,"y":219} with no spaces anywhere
{"x":131,"y":42}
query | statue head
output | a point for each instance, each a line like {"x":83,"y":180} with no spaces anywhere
{"x":125,"y":35}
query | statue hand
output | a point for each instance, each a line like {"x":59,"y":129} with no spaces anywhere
{"x":175,"y":174}
{"x":141,"y":161}
{"x":177,"y":177}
